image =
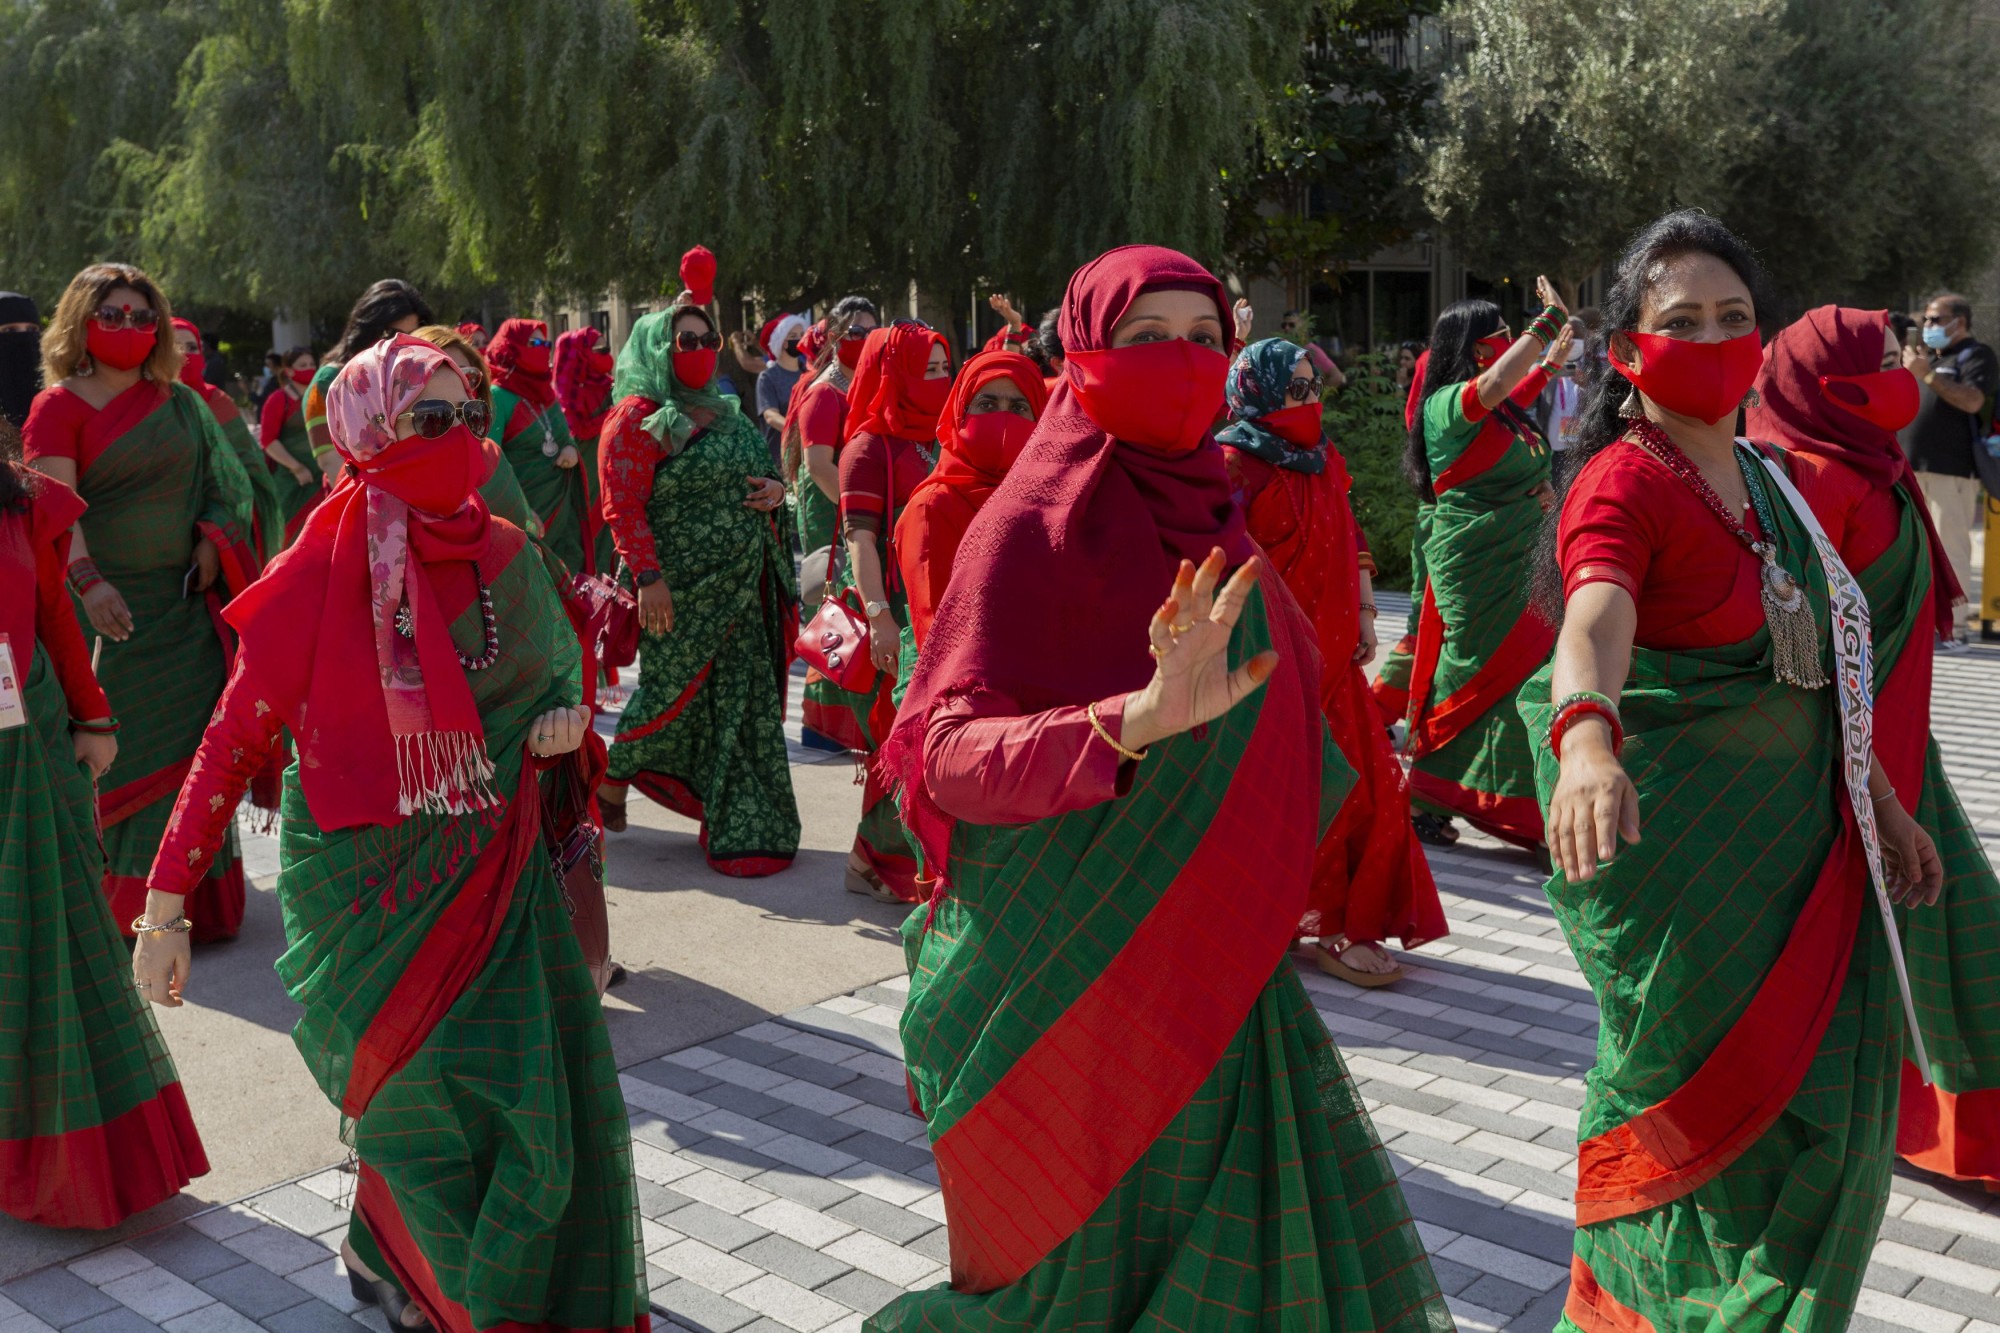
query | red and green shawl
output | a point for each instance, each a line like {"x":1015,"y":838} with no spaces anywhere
{"x":158,"y":473}
{"x":1477,"y":638}
{"x":1737,"y":1126}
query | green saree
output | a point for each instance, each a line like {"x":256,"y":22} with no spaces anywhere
{"x":1737,"y":1125}
{"x":703,"y":734}
{"x":158,"y":473}
{"x":267,"y":511}
{"x":1476,"y":638}
{"x":296,"y":497}
{"x":1115,"y":1158}
{"x":450,"y":1016}
{"x":530,"y":442}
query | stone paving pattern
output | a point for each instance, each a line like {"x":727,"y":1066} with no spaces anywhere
{"x":786,"y":1185}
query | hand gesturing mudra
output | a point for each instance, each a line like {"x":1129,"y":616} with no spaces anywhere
{"x":1189,"y":641}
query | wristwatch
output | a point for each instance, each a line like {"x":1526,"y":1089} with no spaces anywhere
{"x":873,"y":609}
{"x":647,"y":579}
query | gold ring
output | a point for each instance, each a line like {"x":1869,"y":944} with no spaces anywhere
{"x":1157,"y":652}
{"x":1181,"y":629}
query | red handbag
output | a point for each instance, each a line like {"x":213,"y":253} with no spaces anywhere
{"x":611,"y":618}
{"x":835,"y":641}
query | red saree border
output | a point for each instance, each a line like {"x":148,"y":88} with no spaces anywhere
{"x":1694,"y":1133}
{"x":1487,"y":448}
{"x":99,"y":1175}
{"x":376,"y":1203}
{"x":1519,"y":656}
{"x":1515,"y":819}
{"x":454,"y":949}
{"x":121,"y":803}
{"x":1955,"y":1134}
{"x":1025,"y":1166}
{"x":1594,"y":1310}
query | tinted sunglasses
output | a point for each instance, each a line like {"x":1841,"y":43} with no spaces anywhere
{"x":687,"y":340}
{"x":432,"y":417}
{"x":115,"y":317}
{"x":1304,"y":391}
{"x":855,"y":333}
{"x":538,"y":342}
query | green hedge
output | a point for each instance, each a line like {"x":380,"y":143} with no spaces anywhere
{"x":1365,"y":421}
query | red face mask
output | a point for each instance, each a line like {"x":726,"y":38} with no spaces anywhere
{"x":120,"y":348}
{"x":1162,"y":395}
{"x":436,"y":476}
{"x":1489,"y":349}
{"x":533,"y":360}
{"x":1298,"y":425}
{"x":695,"y":369}
{"x":192,"y":366}
{"x":928,"y":395}
{"x":1705,"y":381}
{"x":849,"y":351}
{"x":992,"y":441}
{"x":598,"y":360}
{"x":1885,"y":398}
{"x":303,"y":377}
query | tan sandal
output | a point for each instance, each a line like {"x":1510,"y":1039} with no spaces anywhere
{"x":869,"y":885}
{"x":1329,"y":961}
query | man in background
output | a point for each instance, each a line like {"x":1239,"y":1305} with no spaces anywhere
{"x":1959,"y":376}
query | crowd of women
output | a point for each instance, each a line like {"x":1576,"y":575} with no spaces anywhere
{"x":1094,"y":609}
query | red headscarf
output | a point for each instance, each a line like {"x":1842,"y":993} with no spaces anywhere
{"x":1413,"y":403}
{"x":943,"y":504}
{"x":890,"y":395}
{"x":1067,"y":561}
{"x":192,"y":366}
{"x":470,"y":327}
{"x":583,"y":382}
{"x":386,"y":725}
{"x":505,"y":354}
{"x":1795,"y":412}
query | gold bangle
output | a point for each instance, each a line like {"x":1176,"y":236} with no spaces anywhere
{"x":1090,"y":711}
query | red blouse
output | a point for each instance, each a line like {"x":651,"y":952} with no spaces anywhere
{"x":277,"y":412}
{"x":55,"y":425}
{"x":822,"y":415}
{"x":865,"y":477}
{"x":627,"y":457}
{"x":986,"y":763}
{"x":1862,"y":519}
{"x":1628,"y":520}
{"x":35,"y":607}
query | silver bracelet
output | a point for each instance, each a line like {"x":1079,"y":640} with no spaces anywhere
{"x":180,"y":925}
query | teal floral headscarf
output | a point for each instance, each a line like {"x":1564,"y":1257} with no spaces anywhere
{"x":1256,"y":388}
{"x":646,"y":368}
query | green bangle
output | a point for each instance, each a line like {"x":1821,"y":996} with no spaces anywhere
{"x":106,"y":727}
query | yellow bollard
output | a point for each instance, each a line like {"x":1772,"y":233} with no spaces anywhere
{"x":1989,"y":576}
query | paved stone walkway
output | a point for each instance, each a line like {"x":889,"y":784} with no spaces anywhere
{"x":786,"y":1186}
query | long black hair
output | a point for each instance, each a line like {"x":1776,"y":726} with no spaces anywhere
{"x":381,"y":305}
{"x":1457,"y":332}
{"x":1598,"y":424}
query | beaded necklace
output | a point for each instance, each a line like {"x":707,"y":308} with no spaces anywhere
{"x":1795,"y":648}
{"x":406,"y":625}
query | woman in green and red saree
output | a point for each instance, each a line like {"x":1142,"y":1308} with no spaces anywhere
{"x":1708,"y":689}
{"x":901,"y":382}
{"x":281,"y":432}
{"x":93,"y":1125}
{"x":268,"y":520}
{"x":416,"y":647}
{"x":583,"y":369}
{"x":693,"y":503}
{"x":1834,"y":393}
{"x":992,"y":409}
{"x":1482,"y":469}
{"x":1370,"y":878}
{"x":1139,"y":1120}
{"x":534,"y":440}
{"x":816,"y":419}
{"x":501,"y":491}
{"x":166,"y":541}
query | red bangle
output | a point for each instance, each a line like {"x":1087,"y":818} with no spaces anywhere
{"x":1570,"y":712}
{"x":82,"y":575}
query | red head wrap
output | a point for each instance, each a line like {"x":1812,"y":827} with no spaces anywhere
{"x":524,"y":371}
{"x":891,"y":394}
{"x":698,"y":274}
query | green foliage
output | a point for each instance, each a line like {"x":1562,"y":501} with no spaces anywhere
{"x":1365,"y":421}
{"x":1570,"y":123}
{"x":1330,"y":179}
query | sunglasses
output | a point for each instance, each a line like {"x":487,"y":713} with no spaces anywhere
{"x":538,"y":342}
{"x":118,"y":317}
{"x":1304,"y":391}
{"x":687,"y":340}
{"x":855,"y":333}
{"x":474,"y":377}
{"x":432,"y":417}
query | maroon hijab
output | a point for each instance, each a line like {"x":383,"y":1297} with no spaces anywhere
{"x":1796,"y":413}
{"x":1064,"y":566}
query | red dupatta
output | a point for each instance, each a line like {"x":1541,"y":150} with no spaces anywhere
{"x":890,"y":395}
{"x":1796,"y":411}
{"x":583,"y":382}
{"x":522,"y":370}
{"x":944,"y":503}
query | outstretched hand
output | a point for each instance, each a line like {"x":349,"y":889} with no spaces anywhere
{"x":1546,"y":293}
{"x":1189,"y":640}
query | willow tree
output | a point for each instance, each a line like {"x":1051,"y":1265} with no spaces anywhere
{"x":81,"y":78}
{"x":1569,"y":123}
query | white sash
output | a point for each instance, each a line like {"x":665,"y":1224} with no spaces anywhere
{"x":1854,"y":674}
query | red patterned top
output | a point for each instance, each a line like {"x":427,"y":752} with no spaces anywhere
{"x":242,"y":731}
{"x":627,"y":457}
{"x":1629,"y":520}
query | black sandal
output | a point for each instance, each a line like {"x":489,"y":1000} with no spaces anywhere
{"x":1434,"y":830}
{"x":385,"y":1295}
{"x":611,"y":812}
